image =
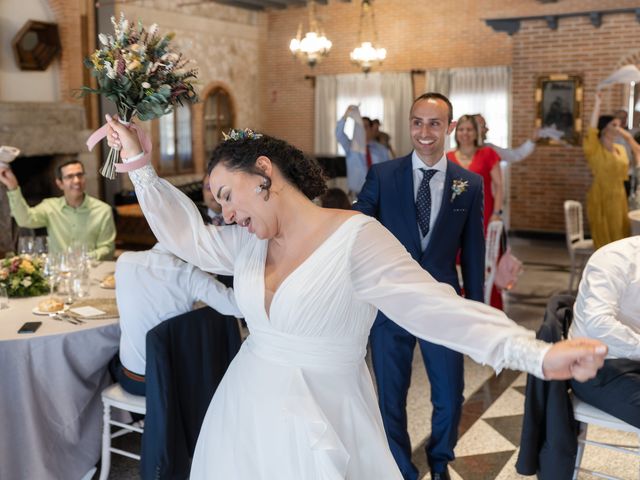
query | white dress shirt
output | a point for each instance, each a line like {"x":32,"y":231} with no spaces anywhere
{"x":608,"y":303}
{"x":436,"y":185}
{"x":153,"y":286}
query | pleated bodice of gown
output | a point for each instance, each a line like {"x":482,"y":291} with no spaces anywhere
{"x":297,"y":402}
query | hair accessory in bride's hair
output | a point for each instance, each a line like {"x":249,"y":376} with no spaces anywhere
{"x":241,"y":134}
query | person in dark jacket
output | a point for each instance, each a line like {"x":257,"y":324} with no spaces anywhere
{"x":549,"y":439}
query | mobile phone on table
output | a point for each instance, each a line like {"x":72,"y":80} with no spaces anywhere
{"x":30,"y":327}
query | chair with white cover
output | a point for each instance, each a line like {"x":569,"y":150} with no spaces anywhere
{"x":589,"y":415}
{"x":492,"y":251}
{"x":576,"y":243}
{"x":116,"y":396}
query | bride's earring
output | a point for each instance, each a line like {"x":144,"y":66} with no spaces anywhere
{"x":259,"y":189}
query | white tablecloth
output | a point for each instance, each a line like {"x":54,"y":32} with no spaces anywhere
{"x":50,"y":384}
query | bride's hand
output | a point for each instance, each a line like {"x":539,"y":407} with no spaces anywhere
{"x":579,"y":359}
{"x":122,"y":137}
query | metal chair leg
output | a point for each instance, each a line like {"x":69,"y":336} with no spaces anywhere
{"x":106,"y":443}
{"x":582,"y":436}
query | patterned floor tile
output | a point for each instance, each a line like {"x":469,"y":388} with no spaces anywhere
{"x":509,"y":427}
{"x":481,"y":467}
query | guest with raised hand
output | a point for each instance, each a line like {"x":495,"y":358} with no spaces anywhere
{"x":607,"y":209}
{"x":74,"y":217}
{"x":362,"y":150}
{"x":297,"y":401}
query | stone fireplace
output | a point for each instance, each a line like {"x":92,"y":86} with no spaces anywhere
{"x":46,"y":133}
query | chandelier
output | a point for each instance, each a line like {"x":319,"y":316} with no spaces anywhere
{"x":367,"y":54}
{"x":315,"y":45}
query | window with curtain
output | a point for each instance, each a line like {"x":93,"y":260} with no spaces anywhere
{"x":483,"y":90}
{"x":175,"y":142}
{"x":385,"y":96}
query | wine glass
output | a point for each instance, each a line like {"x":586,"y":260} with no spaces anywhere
{"x":50,"y":269}
{"x":25,"y":244}
{"x":40,"y":246}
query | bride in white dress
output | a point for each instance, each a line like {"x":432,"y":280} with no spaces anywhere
{"x":297,"y":402}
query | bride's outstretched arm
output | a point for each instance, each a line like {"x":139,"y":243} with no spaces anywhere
{"x":173,"y":217}
{"x":385,"y":275}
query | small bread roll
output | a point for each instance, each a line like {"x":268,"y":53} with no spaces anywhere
{"x":50,"y":305}
{"x":109,"y":281}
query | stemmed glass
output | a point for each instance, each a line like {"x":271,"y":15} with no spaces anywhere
{"x":40,"y":246}
{"x":50,"y":269}
{"x":25,"y":244}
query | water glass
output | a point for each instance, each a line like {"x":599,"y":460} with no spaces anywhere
{"x":81,"y":285}
{"x":50,"y":269}
{"x":4,"y":298}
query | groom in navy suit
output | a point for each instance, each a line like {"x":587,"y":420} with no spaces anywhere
{"x":434,"y":207}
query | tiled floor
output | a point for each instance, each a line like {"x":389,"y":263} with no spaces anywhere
{"x":490,"y":427}
{"x":492,"y":417}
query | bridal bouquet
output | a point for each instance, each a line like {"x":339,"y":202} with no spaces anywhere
{"x":138,"y":71}
{"x":22,"y":276}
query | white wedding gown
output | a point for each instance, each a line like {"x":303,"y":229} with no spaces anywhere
{"x":297,"y":402}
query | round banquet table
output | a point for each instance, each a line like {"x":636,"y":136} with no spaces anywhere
{"x":50,"y":385}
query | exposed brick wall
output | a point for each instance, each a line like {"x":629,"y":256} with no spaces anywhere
{"x":551,"y":175}
{"x":417,"y":35}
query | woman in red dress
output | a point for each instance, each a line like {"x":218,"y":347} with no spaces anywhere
{"x":485,"y":162}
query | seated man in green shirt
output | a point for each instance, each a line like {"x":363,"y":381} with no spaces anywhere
{"x":74,"y":218}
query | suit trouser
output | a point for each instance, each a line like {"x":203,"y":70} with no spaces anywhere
{"x":392,"y":350}
{"x":614,"y":390}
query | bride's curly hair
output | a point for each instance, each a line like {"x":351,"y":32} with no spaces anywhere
{"x":302,"y":171}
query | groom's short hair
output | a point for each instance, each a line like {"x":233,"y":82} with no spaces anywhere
{"x":435,"y":96}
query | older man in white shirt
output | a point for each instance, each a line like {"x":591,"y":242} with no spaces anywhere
{"x":608,"y":309}
{"x":153,"y":286}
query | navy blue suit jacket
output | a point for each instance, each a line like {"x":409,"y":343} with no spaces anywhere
{"x":388,"y":196}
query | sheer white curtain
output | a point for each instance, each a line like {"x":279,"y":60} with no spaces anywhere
{"x":325,"y":115}
{"x":397,"y":96}
{"x":438,"y":80}
{"x":385,"y":96}
{"x":484,"y":90}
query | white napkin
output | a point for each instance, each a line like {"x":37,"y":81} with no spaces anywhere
{"x":551,"y":132}
{"x":7,"y":155}
{"x":626,"y":74}
{"x":87,"y":311}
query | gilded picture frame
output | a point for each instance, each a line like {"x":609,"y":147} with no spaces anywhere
{"x":559,"y":105}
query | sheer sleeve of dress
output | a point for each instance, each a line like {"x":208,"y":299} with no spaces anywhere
{"x":384,"y":275}
{"x":177,"y":224}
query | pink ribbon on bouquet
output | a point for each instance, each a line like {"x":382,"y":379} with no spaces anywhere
{"x":145,"y":142}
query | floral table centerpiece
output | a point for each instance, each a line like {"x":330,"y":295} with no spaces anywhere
{"x":22,"y":276}
{"x":138,"y":71}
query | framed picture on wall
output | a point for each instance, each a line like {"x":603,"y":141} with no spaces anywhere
{"x":559,"y":107}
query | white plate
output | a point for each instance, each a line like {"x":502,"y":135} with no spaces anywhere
{"x":37,"y":311}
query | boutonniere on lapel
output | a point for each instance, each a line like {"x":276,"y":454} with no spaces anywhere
{"x":458,"y":187}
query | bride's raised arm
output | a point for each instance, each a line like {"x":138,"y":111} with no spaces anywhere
{"x":384,"y":274}
{"x":173,"y":217}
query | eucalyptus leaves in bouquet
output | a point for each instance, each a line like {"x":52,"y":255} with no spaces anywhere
{"x":138,"y":70}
